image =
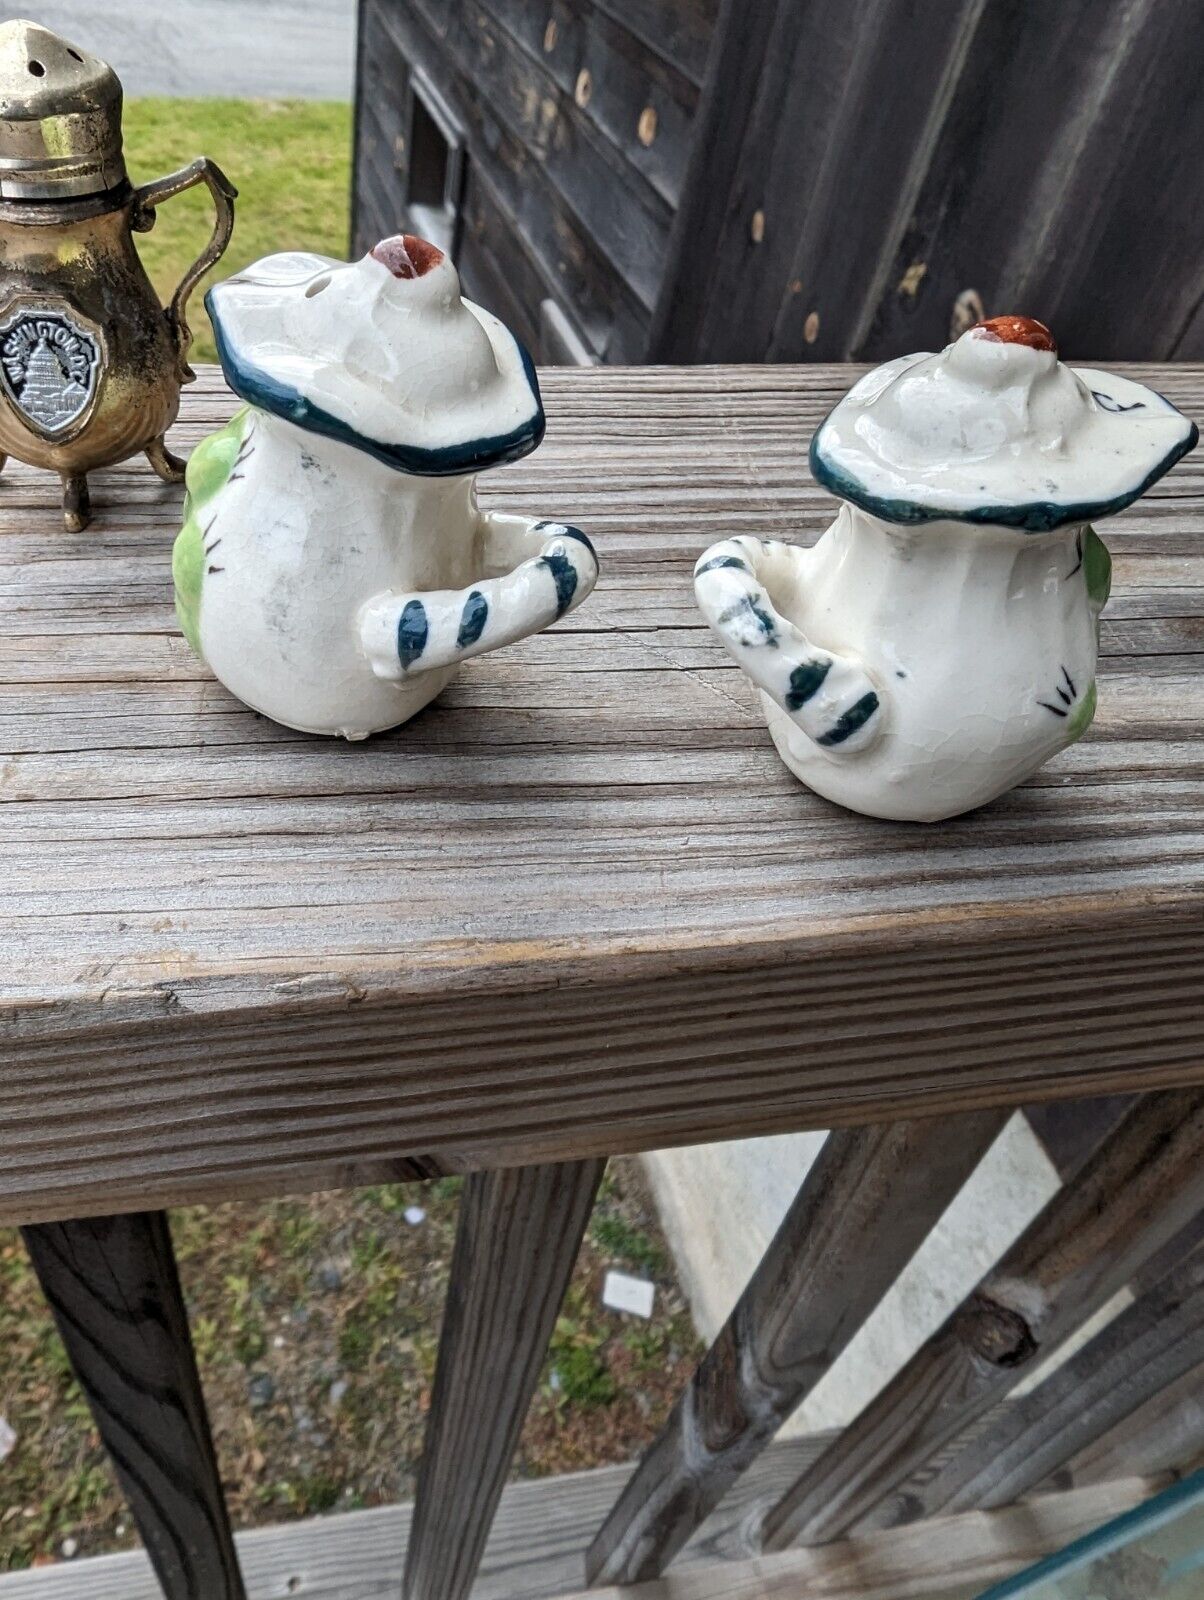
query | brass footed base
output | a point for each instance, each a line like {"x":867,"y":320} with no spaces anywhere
{"x":169,"y":467}
{"x":77,"y":503}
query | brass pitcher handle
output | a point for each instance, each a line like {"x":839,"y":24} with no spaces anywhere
{"x":142,"y":220}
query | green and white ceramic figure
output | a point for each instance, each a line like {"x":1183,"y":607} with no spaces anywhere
{"x":334,"y":567}
{"x":938,"y":644}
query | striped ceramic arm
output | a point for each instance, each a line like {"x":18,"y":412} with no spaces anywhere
{"x":830,"y":697}
{"x":539,"y":571}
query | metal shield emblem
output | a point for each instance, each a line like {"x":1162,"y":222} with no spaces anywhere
{"x":50,"y":366}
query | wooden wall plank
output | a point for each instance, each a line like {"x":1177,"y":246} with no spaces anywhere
{"x":679,"y":31}
{"x":519,"y":153}
{"x":115,"y":1294}
{"x":624,"y":79}
{"x":625,"y":218}
{"x":380,"y":100}
{"x":865,"y":1207}
{"x":1078,"y":125}
{"x":1144,"y":1184}
{"x":516,"y":1244}
{"x":815,"y":140}
{"x":899,"y":157}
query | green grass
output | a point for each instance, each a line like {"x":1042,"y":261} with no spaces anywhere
{"x":290,"y":161}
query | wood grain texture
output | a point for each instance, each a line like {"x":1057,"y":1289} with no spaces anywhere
{"x":1154,"y":1343}
{"x":536,"y":1548}
{"x":579,"y":206}
{"x":1164,"y":1435}
{"x":579,"y":905}
{"x":1141,"y":1188}
{"x":1086,"y":117}
{"x":539,"y":1537}
{"x":901,"y":156}
{"x":113,"y":1288}
{"x":865,"y":1207}
{"x":951,"y":1558}
{"x":516,"y":1243}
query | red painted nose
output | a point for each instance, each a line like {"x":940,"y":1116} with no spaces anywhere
{"x":1018,"y":330}
{"x":407,"y":256}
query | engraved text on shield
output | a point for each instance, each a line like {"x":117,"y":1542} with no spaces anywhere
{"x":49,"y":368}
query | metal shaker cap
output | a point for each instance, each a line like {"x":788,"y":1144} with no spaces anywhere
{"x":60,"y":117}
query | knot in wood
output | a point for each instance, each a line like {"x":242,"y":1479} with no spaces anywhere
{"x":996,"y":1333}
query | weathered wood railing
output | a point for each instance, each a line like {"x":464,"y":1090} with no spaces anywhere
{"x":578,"y":908}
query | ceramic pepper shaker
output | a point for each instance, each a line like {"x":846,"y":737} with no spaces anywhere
{"x":938,"y":644}
{"x":334,"y":567}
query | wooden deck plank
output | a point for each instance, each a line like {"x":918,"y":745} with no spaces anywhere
{"x":193,"y":901}
{"x":536,"y":1548}
{"x":516,"y":1244}
{"x":951,"y":1558}
{"x":539,"y":1541}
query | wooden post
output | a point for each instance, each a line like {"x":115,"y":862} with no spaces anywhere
{"x":866,"y":1205}
{"x":517,"y":1240}
{"x":1149,"y":1346}
{"x":1144,"y":1184}
{"x":1164,"y":1435}
{"x":113,"y":1288}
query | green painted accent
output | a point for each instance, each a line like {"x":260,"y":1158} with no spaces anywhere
{"x":1097,"y":569}
{"x":1083,"y":715}
{"x":209,"y":469}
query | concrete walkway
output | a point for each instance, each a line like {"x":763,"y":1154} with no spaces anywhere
{"x":254,"y":49}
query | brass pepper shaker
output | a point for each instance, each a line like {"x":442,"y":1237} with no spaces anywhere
{"x":90,"y":363}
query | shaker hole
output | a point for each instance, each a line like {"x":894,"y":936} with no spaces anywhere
{"x":317,"y":286}
{"x":38,"y":70}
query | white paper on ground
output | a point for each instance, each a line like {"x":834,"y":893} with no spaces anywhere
{"x":622,"y":1293}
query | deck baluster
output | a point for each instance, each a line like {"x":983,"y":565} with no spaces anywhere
{"x":865,"y":1207}
{"x":1143,"y":1185}
{"x":516,"y":1243}
{"x":115,"y":1293}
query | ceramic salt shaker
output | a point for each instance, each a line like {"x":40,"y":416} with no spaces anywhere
{"x":334,"y":567}
{"x":938,"y":644}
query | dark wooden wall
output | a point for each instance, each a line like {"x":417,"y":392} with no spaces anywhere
{"x":565,"y":197}
{"x":829,"y":179}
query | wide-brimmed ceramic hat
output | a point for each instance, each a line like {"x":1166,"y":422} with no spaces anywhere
{"x":382,"y":354}
{"x":995,"y":429}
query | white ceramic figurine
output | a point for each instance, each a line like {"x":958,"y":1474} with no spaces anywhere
{"x":938,"y":643}
{"x":334,"y":567}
